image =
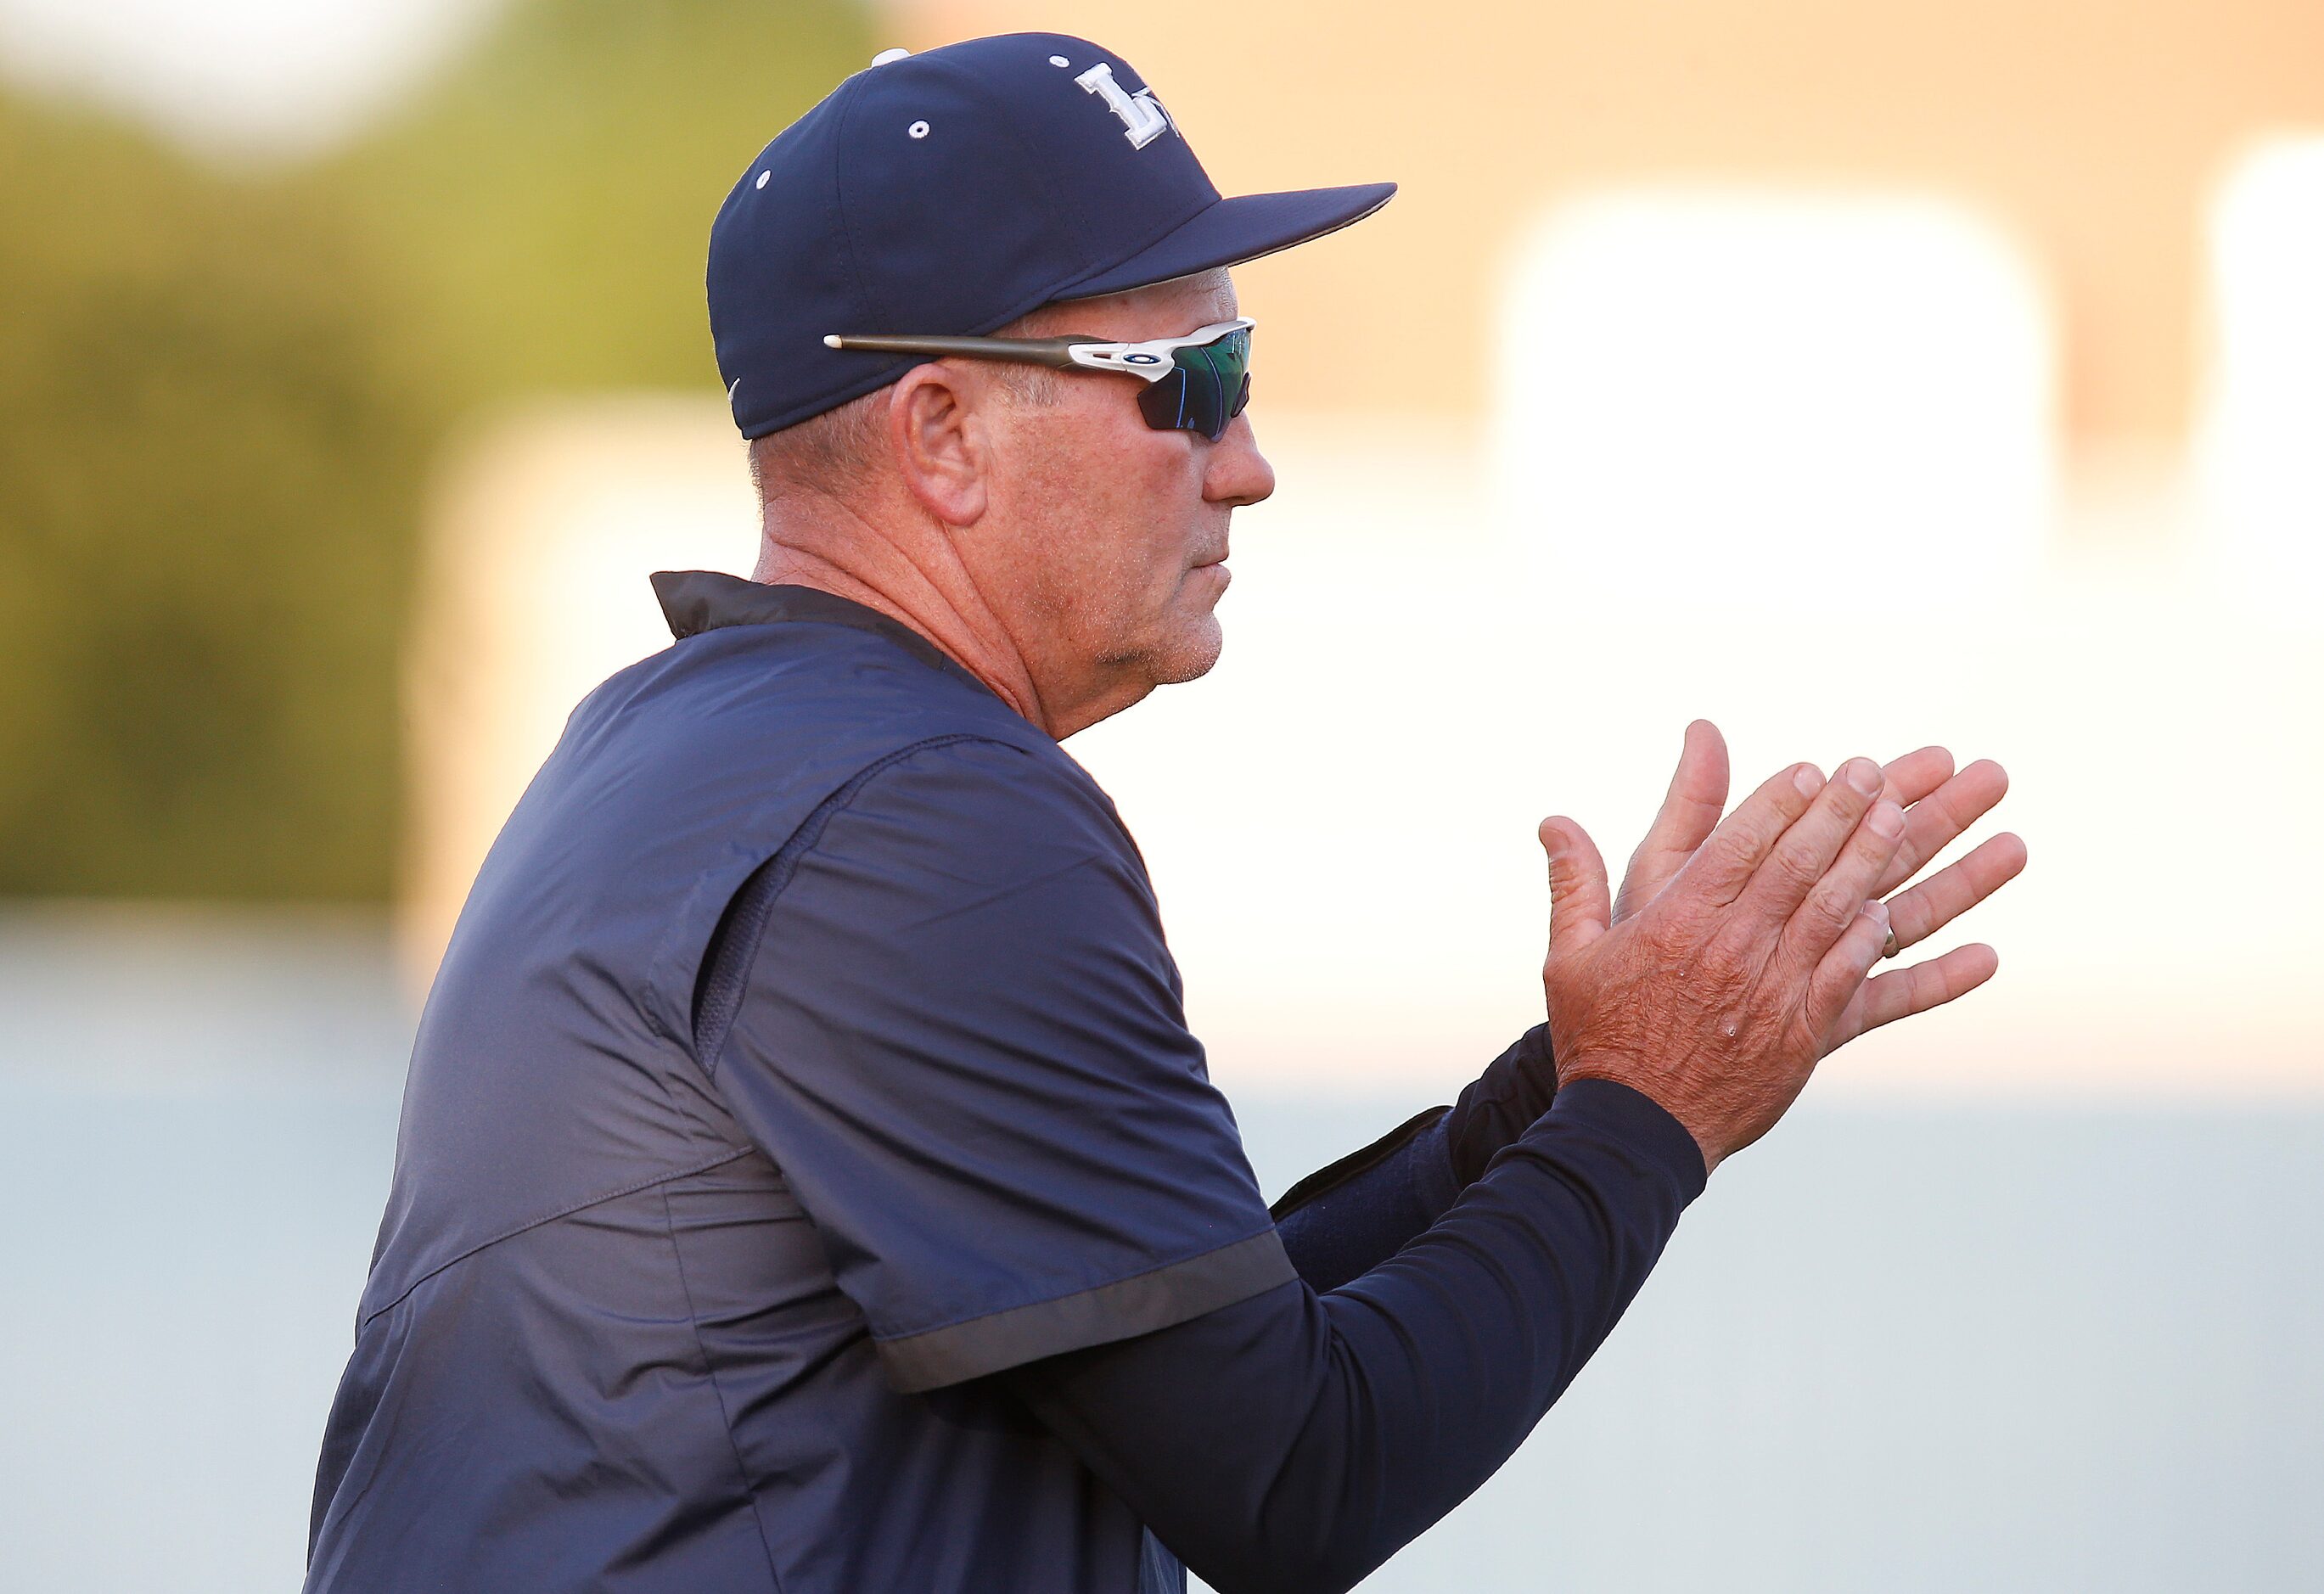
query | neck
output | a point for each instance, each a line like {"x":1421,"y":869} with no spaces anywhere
{"x":936,"y":596}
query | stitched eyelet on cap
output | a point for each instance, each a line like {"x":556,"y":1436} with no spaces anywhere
{"x":1059,"y":60}
{"x":917,"y":130}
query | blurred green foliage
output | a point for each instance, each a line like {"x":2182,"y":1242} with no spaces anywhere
{"x":207,"y":484}
{"x":219,"y":396}
{"x":549,"y":203}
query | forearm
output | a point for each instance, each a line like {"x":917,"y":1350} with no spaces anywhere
{"x":1503,"y":1102}
{"x":1343,"y":1220}
{"x":1294,"y":1442}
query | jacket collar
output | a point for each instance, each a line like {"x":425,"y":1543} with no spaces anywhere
{"x":696,"y":601}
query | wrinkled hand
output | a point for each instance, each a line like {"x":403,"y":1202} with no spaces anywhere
{"x":1938,"y":805}
{"x":1732,"y":971}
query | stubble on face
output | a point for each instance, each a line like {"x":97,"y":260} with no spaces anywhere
{"x":1126,"y":547}
{"x":1128,"y":582}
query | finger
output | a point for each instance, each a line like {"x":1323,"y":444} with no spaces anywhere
{"x":1806,"y":851}
{"x":1929,"y":906}
{"x":1578,"y":908}
{"x":1721,"y":867}
{"x":1916,"y":775}
{"x":1690,"y":813}
{"x":1838,"y":976}
{"x":1839,"y":896}
{"x":1902,"y":992}
{"x":1932,"y":824}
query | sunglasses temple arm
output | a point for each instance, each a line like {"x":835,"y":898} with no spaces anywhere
{"x":1035,"y":351}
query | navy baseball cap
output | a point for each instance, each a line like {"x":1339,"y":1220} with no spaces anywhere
{"x":950,"y":193}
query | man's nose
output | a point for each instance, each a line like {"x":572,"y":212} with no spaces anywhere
{"x":1239,"y":474}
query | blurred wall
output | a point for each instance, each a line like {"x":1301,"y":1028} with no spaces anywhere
{"x":1625,"y":439}
{"x":544,"y":528}
{"x":1676,"y":304}
{"x":1339,"y":819}
{"x":2092,"y":131}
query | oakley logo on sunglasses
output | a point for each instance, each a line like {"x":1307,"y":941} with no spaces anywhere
{"x":1140,"y":113}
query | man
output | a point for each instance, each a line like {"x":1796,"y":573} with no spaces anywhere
{"x":807,"y":1180}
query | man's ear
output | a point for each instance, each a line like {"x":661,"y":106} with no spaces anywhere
{"x":942,"y":447}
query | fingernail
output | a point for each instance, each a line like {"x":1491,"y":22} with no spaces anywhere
{"x":1810,"y":780}
{"x":1886,"y":821}
{"x":1879,"y":910}
{"x":1863,"y":777}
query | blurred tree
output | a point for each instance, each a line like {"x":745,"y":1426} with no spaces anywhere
{"x":206,"y":483}
{"x":548,"y":203}
{"x":218,"y":397}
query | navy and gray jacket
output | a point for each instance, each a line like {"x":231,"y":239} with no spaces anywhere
{"x":807,"y":1184}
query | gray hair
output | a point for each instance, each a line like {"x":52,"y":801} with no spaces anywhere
{"x":829,"y":454}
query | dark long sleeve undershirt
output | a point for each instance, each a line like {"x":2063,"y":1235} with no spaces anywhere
{"x":1345,"y":1220}
{"x":1294,"y":1441}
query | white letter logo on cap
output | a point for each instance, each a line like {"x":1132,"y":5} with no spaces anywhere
{"x":1140,"y":113}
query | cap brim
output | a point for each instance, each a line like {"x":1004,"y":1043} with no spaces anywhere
{"x":1232,"y":231}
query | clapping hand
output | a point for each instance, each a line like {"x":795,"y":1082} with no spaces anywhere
{"x":1939,"y":804}
{"x":1738,"y":953}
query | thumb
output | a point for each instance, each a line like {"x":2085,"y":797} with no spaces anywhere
{"x":1579,"y":903}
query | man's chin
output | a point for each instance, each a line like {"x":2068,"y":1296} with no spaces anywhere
{"x":1190,"y":653}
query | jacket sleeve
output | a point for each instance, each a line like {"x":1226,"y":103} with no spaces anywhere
{"x":957,"y":1032}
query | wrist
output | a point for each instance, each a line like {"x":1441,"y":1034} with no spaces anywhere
{"x":1620,"y":1108}
{"x":1617,"y":1069}
{"x":1497,"y":1108}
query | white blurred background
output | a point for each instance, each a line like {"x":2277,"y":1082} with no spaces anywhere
{"x":1698,"y":370}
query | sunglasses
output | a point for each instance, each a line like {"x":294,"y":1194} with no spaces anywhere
{"x":1196,"y":383}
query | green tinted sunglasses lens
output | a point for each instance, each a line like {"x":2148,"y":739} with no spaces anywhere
{"x":1208,"y":386}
